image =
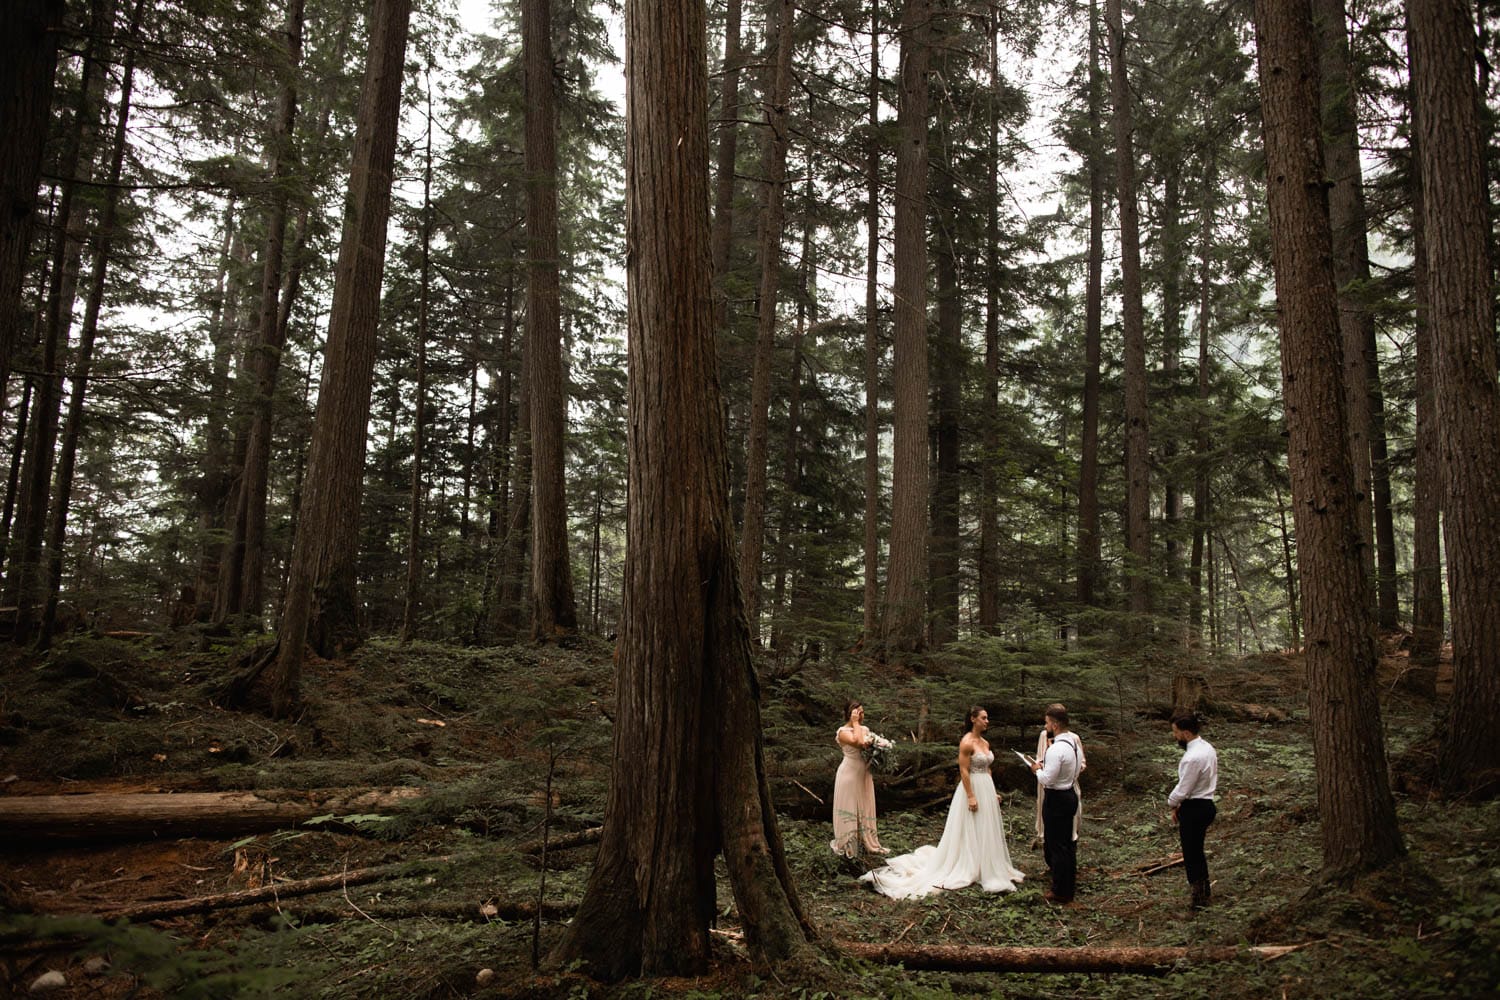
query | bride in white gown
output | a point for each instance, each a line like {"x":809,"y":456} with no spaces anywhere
{"x":973,"y":845}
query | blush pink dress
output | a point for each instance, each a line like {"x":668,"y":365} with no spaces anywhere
{"x":853,"y":805}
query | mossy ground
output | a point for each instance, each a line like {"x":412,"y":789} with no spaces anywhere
{"x":102,"y":714}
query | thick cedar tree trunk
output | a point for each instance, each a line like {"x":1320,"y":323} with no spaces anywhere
{"x":1468,"y":397}
{"x":906,"y":570}
{"x":1137,"y":431}
{"x":241,"y":575}
{"x":553,"y":608}
{"x":1427,"y":480}
{"x":1354,"y":797}
{"x":779,"y":21}
{"x":62,"y":491}
{"x":872,"y":344}
{"x":989,"y":475}
{"x":28,"y":58}
{"x":413,"y":600}
{"x":688,"y":780}
{"x":321,"y":607}
{"x":1093,"y":323}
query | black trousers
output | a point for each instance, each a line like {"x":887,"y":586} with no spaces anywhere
{"x":1193,"y":819}
{"x":1058,"y":846}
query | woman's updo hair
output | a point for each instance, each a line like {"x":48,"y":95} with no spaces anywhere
{"x":974,"y":711}
{"x":850,"y":706}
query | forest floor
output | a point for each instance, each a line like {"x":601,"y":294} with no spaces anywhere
{"x":480,"y":731}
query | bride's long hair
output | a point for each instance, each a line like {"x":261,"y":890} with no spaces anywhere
{"x":850,"y":706}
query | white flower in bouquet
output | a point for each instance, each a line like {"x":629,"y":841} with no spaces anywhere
{"x":879,"y":752}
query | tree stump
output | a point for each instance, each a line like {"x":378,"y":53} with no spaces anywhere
{"x":1189,"y":693}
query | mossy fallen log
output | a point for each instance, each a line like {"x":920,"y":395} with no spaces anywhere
{"x":968,"y":958}
{"x":143,"y":815}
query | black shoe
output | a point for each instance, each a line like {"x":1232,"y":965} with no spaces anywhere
{"x":1201,"y":894}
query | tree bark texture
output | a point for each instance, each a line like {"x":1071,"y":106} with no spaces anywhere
{"x":779,"y":25}
{"x":554,"y":610}
{"x":688,"y":778}
{"x":1093,"y":325}
{"x":1457,"y":227}
{"x":1173,"y":253}
{"x":1355,"y":806}
{"x":906,"y":568}
{"x":1351,"y":263}
{"x":321,"y":607}
{"x":28,"y":58}
{"x":1137,"y":430}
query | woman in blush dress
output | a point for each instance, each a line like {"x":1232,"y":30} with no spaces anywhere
{"x":972,"y":848}
{"x":854,"y":789}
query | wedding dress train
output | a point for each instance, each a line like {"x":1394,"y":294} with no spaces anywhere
{"x":971,"y":850}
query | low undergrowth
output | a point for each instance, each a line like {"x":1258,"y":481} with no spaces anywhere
{"x":481,"y":730}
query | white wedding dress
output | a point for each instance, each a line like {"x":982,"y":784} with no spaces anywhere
{"x":972,"y":849}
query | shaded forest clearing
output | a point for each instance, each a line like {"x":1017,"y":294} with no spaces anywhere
{"x":420,"y":896}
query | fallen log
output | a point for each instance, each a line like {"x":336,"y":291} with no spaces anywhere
{"x":968,"y":958}
{"x":274,"y":892}
{"x":133,"y":815}
{"x":470,"y":912}
{"x":562,"y":843}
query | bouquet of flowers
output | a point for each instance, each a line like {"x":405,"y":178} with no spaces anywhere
{"x":879,"y":753}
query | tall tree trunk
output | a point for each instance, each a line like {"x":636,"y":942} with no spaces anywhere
{"x":244,"y":568}
{"x":1457,"y":228}
{"x":554,"y":609}
{"x":1355,"y":806}
{"x":872,"y":629}
{"x":214,"y":492}
{"x":1201,"y":445}
{"x":1427,"y":479}
{"x":1088,"y":465}
{"x":419,"y":421}
{"x":989,"y":476}
{"x":688,"y":779}
{"x":1137,"y":431}
{"x":28,"y":60}
{"x":62,"y":492}
{"x":1173,"y":251}
{"x":791,"y":478}
{"x":1351,"y":264}
{"x":321,"y":606}
{"x":906,"y":584}
{"x":497,"y":521}
{"x":510,"y":614}
{"x":728,"y":151}
{"x":24,"y":581}
{"x":1293,"y":619}
{"x":779,"y":20}
{"x":948,"y":369}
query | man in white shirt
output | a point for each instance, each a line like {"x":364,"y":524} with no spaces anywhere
{"x":1057,"y":772}
{"x":1192,"y":801}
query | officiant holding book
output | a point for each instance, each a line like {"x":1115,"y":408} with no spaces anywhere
{"x":1057,"y":772}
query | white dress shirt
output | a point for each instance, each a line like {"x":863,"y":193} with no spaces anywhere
{"x":1197,"y":773}
{"x":1060,"y":766}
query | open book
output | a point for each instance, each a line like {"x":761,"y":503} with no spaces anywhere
{"x":1026,"y":758}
